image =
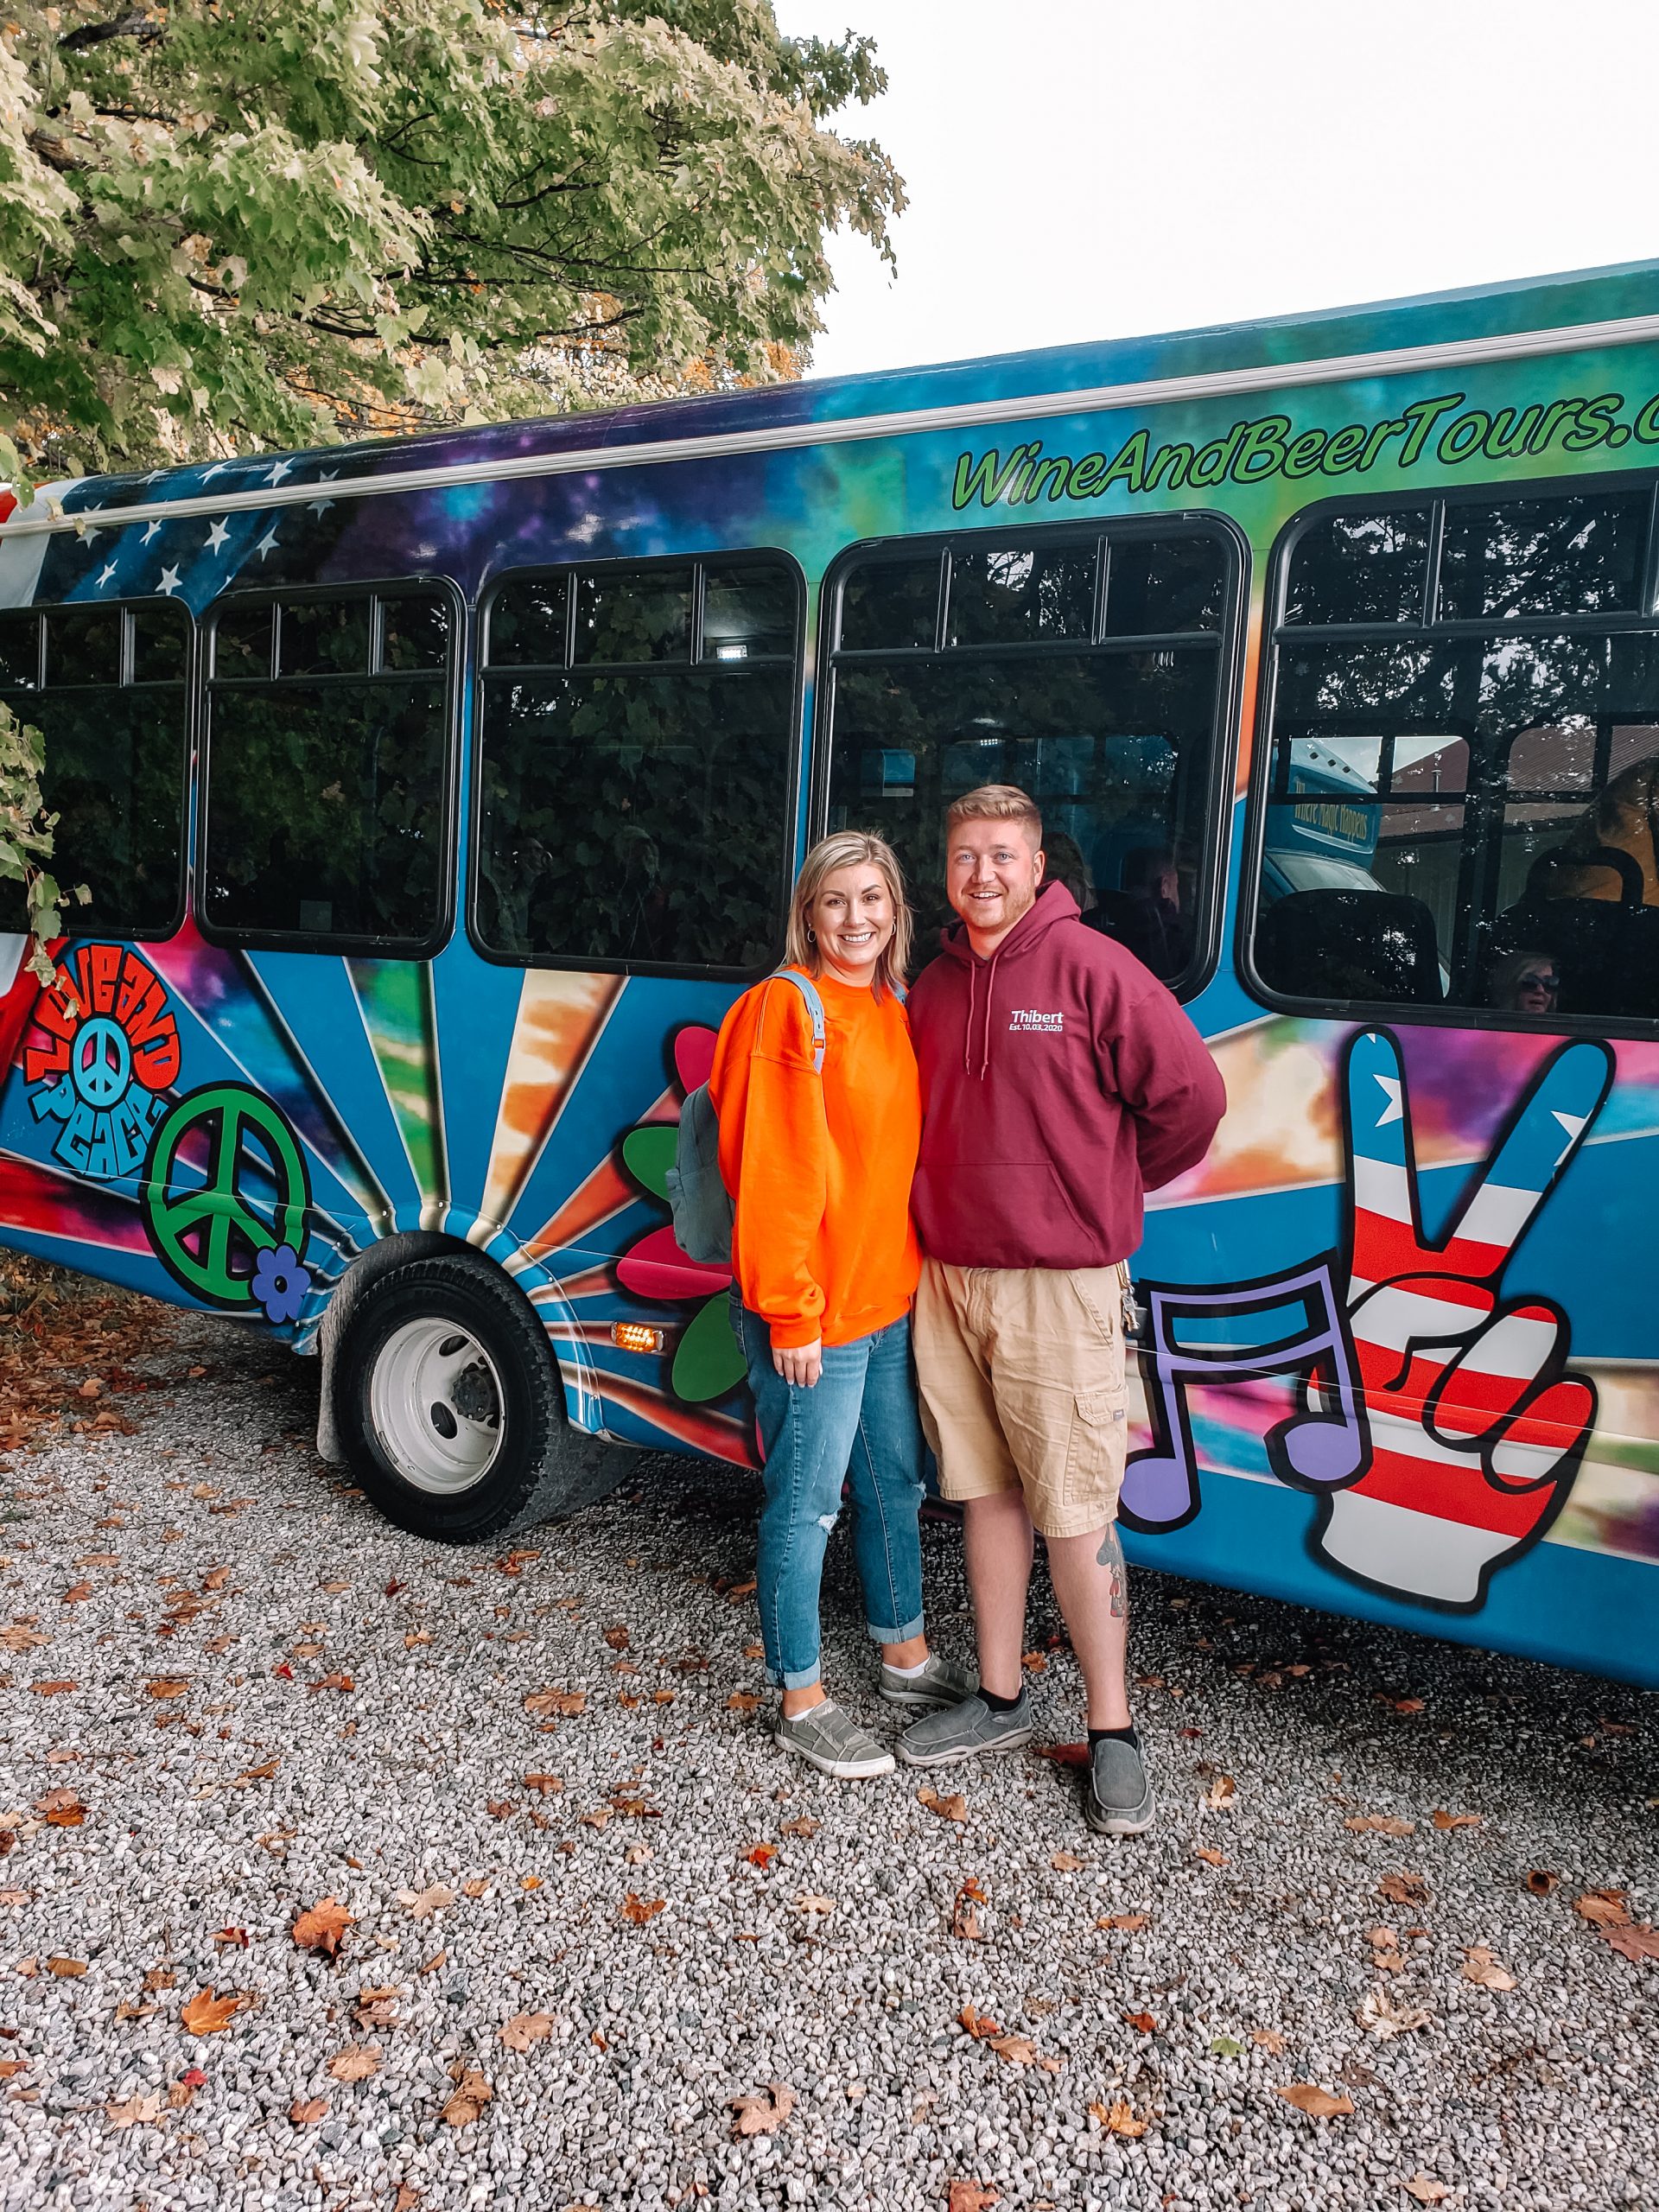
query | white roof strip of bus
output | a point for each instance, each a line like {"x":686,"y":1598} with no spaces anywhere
{"x":1339,"y":368}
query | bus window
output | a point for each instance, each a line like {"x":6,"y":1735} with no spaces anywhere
{"x":638,"y":728}
{"x":1084,"y":668}
{"x":1461,"y":812}
{"x":329,"y":720}
{"x":105,"y":686}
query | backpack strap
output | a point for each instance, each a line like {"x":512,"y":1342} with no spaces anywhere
{"x":809,"y":991}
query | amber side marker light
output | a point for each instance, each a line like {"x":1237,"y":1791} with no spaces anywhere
{"x":635,"y":1336}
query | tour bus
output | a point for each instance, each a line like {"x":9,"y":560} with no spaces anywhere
{"x":432,"y":799}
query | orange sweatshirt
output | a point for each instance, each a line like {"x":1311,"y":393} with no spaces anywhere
{"x":819,"y":1169}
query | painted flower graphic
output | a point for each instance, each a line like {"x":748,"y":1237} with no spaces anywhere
{"x":280,"y":1282}
{"x":707,"y":1362}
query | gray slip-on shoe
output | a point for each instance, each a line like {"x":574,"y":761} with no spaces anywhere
{"x":965,"y":1732}
{"x":1117,"y":1796}
{"x":832,"y":1741}
{"x":941,"y":1683}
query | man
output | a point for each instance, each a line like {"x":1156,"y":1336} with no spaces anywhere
{"x":1059,"y":1081}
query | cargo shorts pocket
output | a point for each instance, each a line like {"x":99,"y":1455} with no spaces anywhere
{"x":1098,"y":1447}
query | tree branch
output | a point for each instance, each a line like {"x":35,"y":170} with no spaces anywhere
{"x":134,"y":26}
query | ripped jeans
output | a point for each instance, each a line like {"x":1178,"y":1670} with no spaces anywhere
{"x":858,"y":1418}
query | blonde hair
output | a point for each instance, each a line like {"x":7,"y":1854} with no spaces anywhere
{"x":849,"y":849}
{"x":996,"y":802}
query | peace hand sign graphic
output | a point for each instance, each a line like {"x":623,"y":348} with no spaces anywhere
{"x":1476,"y":1428}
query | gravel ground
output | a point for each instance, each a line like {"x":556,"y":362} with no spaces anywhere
{"x":264,"y":1697}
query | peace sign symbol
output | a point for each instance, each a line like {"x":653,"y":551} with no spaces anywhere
{"x":101,"y":1061}
{"x":207,"y":1233}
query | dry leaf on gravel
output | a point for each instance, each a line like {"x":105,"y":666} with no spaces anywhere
{"x":1479,"y":1964}
{"x":544,"y":1785}
{"x":640,"y":1909}
{"x":500,"y":1808}
{"x":965,"y":1919}
{"x":1268,"y":2039}
{"x":762,"y":1854}
{"x":67,"y":1969}
{"x":1143,"y":2022}
{"x":333,"y":1682}
{"x":972,"y":2197}
{"x":1118,"y":2118}
{"x":1540,"y":1882}
{"x":356,"y":2063}
{"x":1129,"y":1923}
{"x":1635,"y":1942}
{"x":1209,"y":1855}
{"x":801,"y":1826}
{"x":566,"y":1703}
{"x":1319,"y":2104}
{"x":167,"y":1686}
{"x":951,"y":1807}
{"x":423,"y":1904}
{"x":1425,"y":2188}
{"x":1218,"y":1797}
{"x":1402,"y":1889}
{"x":1067,"y":1862}
{"x":763,"y":2115}
{"x":526,"y":2028}
{"x":205,"y":2014}
{"x":978,"y":2025}
{"x":472,"y":2094}
{"x":61,"y":1808}
{"x":1387,"y":1957}
{"x":306,"y":2112}
{"x":135,"y":2112}
{"x":742,"y":1701}
{"x":1603,"y":1908}
{"x":1380,"y":1824}
{"x":377,"y":2008}
{"x":1013,"y":2050}
{"x":617,"y":1636}
{"x":810,"y":1901}
{"x":1381,"y":2016}
{"x":407,"y":2199}
{"x":1064,"y":1754}
{"x":1444,"y":1820}
{"x":321,"y":1927}
{"x":53,"y":1689}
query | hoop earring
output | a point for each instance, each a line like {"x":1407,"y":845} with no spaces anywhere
{"x":811,"y":935}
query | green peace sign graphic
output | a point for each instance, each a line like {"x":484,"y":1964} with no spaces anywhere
{"x":208,"y":1234}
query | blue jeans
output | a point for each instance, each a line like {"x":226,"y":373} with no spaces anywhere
{"x":858,"y":1418}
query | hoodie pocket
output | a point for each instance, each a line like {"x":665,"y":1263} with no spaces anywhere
{"x":999,"y":1213}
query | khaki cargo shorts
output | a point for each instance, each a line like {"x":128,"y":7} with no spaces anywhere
{"x":1021,"y":1372}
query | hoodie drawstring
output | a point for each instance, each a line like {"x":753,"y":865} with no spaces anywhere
{"x":973,"y":999}
{"x":968,"y":1026}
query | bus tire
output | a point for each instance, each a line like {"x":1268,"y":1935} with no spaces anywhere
{"x":449,"y":1410}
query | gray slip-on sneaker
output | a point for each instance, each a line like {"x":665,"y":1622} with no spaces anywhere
{"x":966,"y":1731}
{"x":941,"y":1683}
{"x":1117,"y":1796}
{"x":832,"y":1741}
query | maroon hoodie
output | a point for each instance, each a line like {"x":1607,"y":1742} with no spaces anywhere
{"x":1060,"y":1082}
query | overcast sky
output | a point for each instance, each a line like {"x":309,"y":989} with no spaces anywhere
{"x":1089,"y":168}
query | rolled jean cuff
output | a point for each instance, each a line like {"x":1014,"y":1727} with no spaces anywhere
{"x":796,"y":1678}
{"x":894,"y":1635}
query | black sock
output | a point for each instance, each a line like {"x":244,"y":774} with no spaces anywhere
{"x":999,"y":1704}
{"x":1115,"y":1736}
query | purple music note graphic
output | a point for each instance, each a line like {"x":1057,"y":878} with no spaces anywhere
{"x":1326,"y":1443}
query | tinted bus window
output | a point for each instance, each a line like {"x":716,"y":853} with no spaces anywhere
{"x":638,"y":728}
{"x":1461,"y":815}
{"x":329,"y":740}
{"x":1040,"y":681}
{"x":105,"y":686}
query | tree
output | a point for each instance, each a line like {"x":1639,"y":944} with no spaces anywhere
{"x":230,"y":225}
{"x":234,"y":224}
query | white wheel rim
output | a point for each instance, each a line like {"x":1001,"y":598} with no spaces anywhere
{"x":435,"y":1400}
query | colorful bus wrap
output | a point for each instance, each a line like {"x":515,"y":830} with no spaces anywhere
{"x":433,"y":798}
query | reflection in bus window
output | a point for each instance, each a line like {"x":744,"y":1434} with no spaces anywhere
{"x":105,"y":688}
{"x":1114,"y":739}
{"x":324,"y":821}
{"x":632,"y":801}
{"x":1467,"y":816}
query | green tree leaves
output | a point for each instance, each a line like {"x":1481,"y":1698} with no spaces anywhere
{"x":228,"y":224}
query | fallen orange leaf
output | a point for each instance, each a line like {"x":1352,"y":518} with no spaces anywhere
{"x":321,"y":1927}
{"x":763,"y":2115}
{"x":639,"y":1910}
{"x":1319,"y":2104}
{"x":1118,"y":2118}
{"x":205,"y":2014}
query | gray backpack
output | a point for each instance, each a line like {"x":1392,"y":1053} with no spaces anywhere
{"x":702,"y":1204}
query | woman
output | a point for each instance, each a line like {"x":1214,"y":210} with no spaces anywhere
{"x":825,"y":1263}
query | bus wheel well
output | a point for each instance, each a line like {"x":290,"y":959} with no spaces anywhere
{"x":386,"y":1253}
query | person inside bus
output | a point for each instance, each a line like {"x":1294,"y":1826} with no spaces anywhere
{"x":1060,"y":1082}
{"x":818,"y":1159}
{"x":1526,"y":983}
{"x":1145,"y":914}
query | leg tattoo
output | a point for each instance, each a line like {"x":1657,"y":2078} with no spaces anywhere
{"x":1110,"y":1555}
